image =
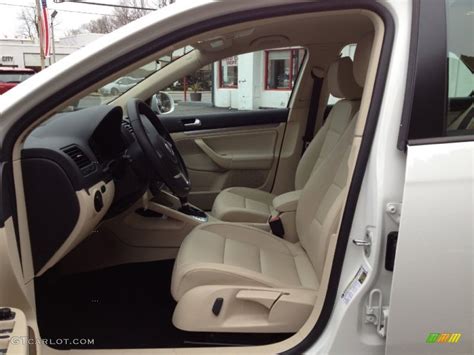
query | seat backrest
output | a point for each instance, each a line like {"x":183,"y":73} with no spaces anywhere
{"x":322,"y":198}
{"x":341,"y":84}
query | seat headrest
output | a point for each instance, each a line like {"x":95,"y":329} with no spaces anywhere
{"x":362,"y":57}
{"x":341,"y":82}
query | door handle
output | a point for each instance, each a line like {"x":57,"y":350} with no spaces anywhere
{"x":361,"y":243}
{"x":193,"y":124}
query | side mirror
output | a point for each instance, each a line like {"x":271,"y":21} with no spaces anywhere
{"x":162,"y":103}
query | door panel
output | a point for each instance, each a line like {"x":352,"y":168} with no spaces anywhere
{"x":232,"y":156}
{"x":431,"y":303}
{"x":188,"y":122}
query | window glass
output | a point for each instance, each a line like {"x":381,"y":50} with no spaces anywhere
{"x":229,"y":72}
{"x":460,"y":90}
{"x":278,"y":69}
{"x":282,"y":66}
{"x":298,"y":56}
{"x":112,"y":90}
{"x":238,"y":83}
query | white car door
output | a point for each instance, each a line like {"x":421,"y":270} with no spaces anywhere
{"x":431,"y":305}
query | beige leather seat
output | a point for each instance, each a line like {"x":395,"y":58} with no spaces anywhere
{"x":236,"y":278}
{"x":242,"y":204}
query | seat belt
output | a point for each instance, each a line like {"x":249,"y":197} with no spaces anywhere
{"x":318,"y":77}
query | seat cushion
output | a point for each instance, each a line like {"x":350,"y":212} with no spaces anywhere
{"x":240,"y":255}
{"x":243,"y":204}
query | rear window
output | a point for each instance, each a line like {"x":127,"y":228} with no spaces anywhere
{"x":14,"y":76}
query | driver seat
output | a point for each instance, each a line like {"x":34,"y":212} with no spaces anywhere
{"x":231,"y":277}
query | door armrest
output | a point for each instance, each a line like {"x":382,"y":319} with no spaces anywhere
{"x":254,"y":161}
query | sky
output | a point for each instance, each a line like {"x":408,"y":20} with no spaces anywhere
{"x":70,"y":15}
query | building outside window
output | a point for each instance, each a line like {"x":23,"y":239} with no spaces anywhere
{"x":228,"y":70}
{"x":281,"y":68}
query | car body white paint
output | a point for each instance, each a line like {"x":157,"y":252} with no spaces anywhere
{"x":432,"y":290}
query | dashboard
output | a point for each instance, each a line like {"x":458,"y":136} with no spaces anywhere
{"x":78,"y":168}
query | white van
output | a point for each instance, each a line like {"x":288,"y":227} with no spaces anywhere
{"x":319,"y":198}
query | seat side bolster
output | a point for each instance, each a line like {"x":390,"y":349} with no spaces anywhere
{"x":244,"y":309}
{"x":194,"y":275}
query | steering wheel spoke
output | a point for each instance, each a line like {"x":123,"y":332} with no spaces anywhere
{"x":159,"y":148}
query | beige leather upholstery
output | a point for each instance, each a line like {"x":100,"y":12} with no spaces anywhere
{"x":243,"y":204}
{"x":325,"y":140}
{"x":236,"y":254}
{"x":239,"y":204}
{"x":229,"y":254}
{"x":287,"y":202}
{"x":225,"y":260}
{"x":341,"y":80}
{"x":361,"y":58}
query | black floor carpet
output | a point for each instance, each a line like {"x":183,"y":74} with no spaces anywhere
{"x":127,"y":306}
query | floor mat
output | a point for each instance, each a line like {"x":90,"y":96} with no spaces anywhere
{"x":127,"y":306}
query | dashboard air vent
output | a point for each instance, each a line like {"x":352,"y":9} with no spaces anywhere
{"x":82,"y":161}
{"x":127,"y":126}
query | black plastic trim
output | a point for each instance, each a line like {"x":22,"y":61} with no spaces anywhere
{"x":266,"y":12}
{"x":410,"y":82}
{"x":442,"y":140}
{"x":424,"y":111}
{"x":226,"y":119}
{"x":8,"y":201}
{"x":49,"y":222}
{"x":5,"y":198}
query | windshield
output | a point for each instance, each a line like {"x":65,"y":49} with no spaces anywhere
{"x":14,"y":76}
{"x":117,"y":87}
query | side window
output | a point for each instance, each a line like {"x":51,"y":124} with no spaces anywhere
{"x":228,"y":72}
{"x":460,"y":46}
{"x":251,"y":81}
{"x":281,"y":68}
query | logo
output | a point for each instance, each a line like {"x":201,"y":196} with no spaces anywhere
{"x":441,"y":338}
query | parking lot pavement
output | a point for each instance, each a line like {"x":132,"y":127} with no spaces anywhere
{"x":197,"y":108}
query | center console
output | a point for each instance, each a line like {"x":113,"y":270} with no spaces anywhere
{"x":13,"y":332}
{"x":180,"y":205}
{"x":159,"y":220}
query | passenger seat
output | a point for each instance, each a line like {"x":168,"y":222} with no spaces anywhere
{"x":242,"y":204}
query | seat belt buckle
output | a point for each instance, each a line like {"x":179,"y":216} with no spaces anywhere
{"x":276,"y":226}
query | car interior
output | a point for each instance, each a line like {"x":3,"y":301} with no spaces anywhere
{"x":147,"y":232}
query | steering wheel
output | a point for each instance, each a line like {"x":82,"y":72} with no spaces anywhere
{"x":159,"y":148}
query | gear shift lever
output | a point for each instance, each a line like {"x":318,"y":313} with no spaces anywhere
{"x":183,"y":201}
{"x":186,"y":208}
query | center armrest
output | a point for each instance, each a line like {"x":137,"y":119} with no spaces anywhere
{"x":287,"y":202}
